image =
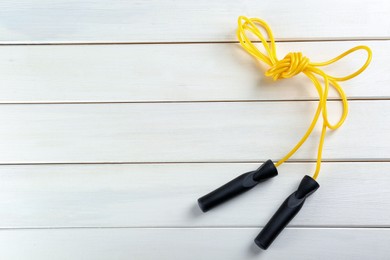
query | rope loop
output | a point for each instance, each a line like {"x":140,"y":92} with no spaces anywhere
{"x":294,"y":63}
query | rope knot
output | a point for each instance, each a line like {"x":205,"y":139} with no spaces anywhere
{"x":291,"y":65}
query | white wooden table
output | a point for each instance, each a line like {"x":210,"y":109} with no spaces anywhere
{"x":117,"y":115}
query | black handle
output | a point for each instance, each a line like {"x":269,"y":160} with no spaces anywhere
{"x":287,"y":211}
{"x":242,"y":183}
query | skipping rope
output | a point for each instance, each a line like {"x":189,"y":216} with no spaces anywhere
{"x":292,"y":64}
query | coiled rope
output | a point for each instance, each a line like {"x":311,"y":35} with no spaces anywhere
{"x":293,"y":64}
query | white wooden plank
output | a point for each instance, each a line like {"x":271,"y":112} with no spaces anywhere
{"x":202,"y":20}
{"x":186,"y":132}
{"x":165,"y":195}
{"x":194,"y":244}
{"x":189,"y":72}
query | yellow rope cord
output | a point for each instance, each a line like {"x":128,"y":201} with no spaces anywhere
{"x":293,"y":64}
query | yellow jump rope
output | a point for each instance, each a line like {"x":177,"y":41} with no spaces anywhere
{"x":292,"y":64}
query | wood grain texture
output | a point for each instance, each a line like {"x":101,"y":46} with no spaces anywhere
{"x":165,"y":195}
{"x":186,"y":132}
{"x":115,"y":173}
{"x":40,"y":21}
{"x":175,"y":72}
{"x":192,"y":244}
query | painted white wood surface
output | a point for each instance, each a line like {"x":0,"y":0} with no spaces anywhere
{"x":186,"y":132}
{"x":202,"y":20}
{"x":96,"y":207}
{"x":192,"y":244}
{"x":164,"y":195}
{"x":175,"y":72}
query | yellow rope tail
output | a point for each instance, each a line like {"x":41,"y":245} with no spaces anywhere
{"x":293,"y":64}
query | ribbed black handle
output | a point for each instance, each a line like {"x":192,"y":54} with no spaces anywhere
{"x":287,"y":211}
{"x":242,"y":183}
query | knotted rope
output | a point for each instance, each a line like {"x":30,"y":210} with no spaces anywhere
{"x":293,"y":64}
